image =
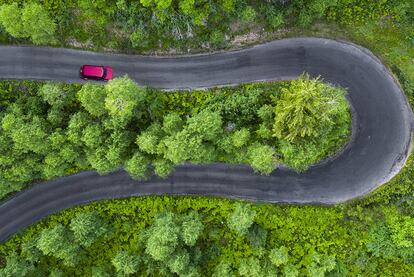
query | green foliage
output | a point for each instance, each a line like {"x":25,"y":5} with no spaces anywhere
{"x":53,"y":94}
{"x":15,"y":266}
{"x":168,"y":240}
{"x":137,"y":166}
{"x":262,"y":158}
{"x":66,"y":128}
{"x":250,"y":267}
{"x":126,"y":263}
{"x":279,"y":256}
{"x":58,"y":242}
{"x":192,"y":228}
{"x":37,"y":23}
{"x":92,"y":98}
{"x":123,"y":96}
{"x":305,"y":109}
{"x":241,"y":218}
{"x":30,"y":21}
{"x":310,"y":118}
{"x":87,"y":228}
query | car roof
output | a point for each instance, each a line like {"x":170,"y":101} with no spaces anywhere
{"x":93,"y":70}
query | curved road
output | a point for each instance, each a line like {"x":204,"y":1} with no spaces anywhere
{"x":378,"y":150}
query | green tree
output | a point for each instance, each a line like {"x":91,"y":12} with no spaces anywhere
{"x":241,"y":137}
{"x":27,"y":136}
{"x":53,"y":94}
{"x":262,"y":158}
{"x":76,"y":126}
{"x":92,"y":98}
{"x":290,"y":270}
{"x":99,"y":272}
{"x":257,"y":236}
{"x":10,"y":18}
{"x":88,"y":227}
{"x":137,"y":166}
{"x":123,"y":96}
{"x":250,"y":267}
{"x":317,"y":265}
{"x":32,"y":21}
{"x":16,"y":266}
{"x":206,"y":124}
{"x":223,"y":269}
{"x":192,"y":228}
{"x":163,"y":237}
{"x":179,"y":262}
{"x":30,"y":251}
{"x":307,"y":109}
{"x":126,"y":263}
{"x":37,"y":23}
{"x":241,"y":218}
{"x":172,"y":123}
{"x":163,"y":167}
{"x":149,"y":139}
{"x":58,"y":242}
{"x":279,"y":256}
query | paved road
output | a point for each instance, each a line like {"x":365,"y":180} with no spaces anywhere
{"x":378,"y":150}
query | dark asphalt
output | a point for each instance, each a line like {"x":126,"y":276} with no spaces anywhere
{"x":378,"y":150}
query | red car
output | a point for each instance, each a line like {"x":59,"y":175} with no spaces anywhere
{"x":95,"y":72}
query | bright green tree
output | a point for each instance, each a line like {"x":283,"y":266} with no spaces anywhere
{"x":31,"y":21}
{"x":279,"y":256}
{"x":137,"y":166}
{"x":149,"y":139}
{"x":163,"y":237}
{"x":172,"y":123}
{"x":308,"y":109}
{"x":38,"y":23}
{"x":241,"y":218}
{"x":163,"y":167}
{"x":92,"y":98}
{"x":10,"y":18}
{"x":262,"y":158}
{"x":53,"y":94}
{"x":123,"y":97}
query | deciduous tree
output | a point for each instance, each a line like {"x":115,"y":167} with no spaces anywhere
{"x":241,"y":218}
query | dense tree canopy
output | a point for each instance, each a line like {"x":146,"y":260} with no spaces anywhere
{"x":66,"y":128}
{"x":30,"y":21}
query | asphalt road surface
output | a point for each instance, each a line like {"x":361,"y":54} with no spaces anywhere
{"x":378,"y":149}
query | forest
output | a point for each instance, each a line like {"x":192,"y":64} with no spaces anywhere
{"x":52,"y":129}
{"x":139,"y":236}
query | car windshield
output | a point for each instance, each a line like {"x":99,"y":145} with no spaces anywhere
{"x":104,"y":72}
